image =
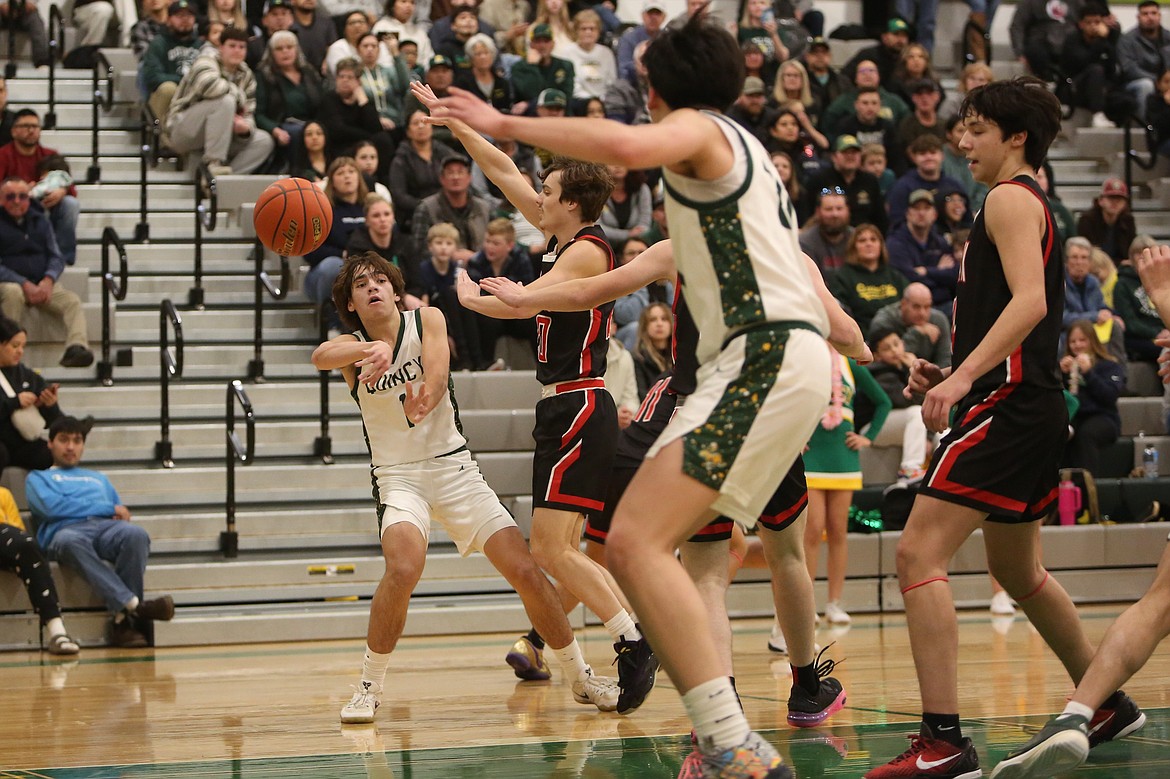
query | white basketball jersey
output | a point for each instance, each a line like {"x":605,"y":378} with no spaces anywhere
{"x":391,"y":438}
{"x":737,"y":248}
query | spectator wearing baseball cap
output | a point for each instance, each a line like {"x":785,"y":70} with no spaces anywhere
{"x":169,"y":56}
{"x":824,"y":81}
{"x":441,"y":28}
{"x":653,"y":21}
{"x":278,"y":17}
{"x":439,"y":77}
{"x":540,"y":71}
{"x":866,"y":204}
{"x":886,"y":54}
{"x":1109,"y":223}
{"x":749,"y":111}
{"x":920,"y":251}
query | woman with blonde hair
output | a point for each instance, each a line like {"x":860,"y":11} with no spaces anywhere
{"x":974,"y":74}
{"x":555,"y":13}
{"x":914,"y":65}
{"x":346,"y":190}
{"x":229,"y":14}
{"x":758,"y":25}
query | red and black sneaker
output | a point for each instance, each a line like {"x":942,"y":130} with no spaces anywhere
{"x":931,"y":758}
{"x":1116,"y":721}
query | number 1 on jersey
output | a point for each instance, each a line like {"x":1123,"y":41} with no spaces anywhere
{"x":543,"y":325}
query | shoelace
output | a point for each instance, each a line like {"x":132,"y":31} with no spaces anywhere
{"x":917,"y":744}
{"x":363,"y":696}
{"x":825,"y":667}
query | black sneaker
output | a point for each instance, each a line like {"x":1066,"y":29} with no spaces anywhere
{"x":76,"y":356}
{"x":1118,"y":721}
{"x":159,"y":609}
{"x":808,"y":711}
{"x":125,"y":636}
{"x":637,"y":668}
{"x":1060,"y":746}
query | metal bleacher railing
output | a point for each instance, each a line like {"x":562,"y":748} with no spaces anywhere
{"x":103,"y":100}
{"x":229,"y":539}
{"x":115,"y":288}
{"x":205,"y":218}
{"x":323,"y":445}
{"x":169,"y":365}
{"x":1135,"y":157}
{"x":56,"y":31}
{"x":278,"y":291}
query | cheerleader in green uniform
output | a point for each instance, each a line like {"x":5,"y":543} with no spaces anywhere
{"x":833,"y":471}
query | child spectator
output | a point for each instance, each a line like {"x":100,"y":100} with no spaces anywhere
{"x":437,"y":271}
{"x":53,"y":173}
{"x":891,"y":370}
{"x":873,"y":160}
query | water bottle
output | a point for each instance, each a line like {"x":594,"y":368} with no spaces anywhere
{"x":1068,"y":500}
{"x":1149,"y":458}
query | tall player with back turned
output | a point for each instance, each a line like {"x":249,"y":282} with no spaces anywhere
{"x":396,"y":364}
{"x":763,"y":379}
{"x":996,"y":469}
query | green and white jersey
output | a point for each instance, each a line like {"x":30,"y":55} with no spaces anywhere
{"x":391,"y":438}
{"x":737,"y":247}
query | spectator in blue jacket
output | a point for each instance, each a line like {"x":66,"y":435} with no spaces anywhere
{"x":922,"y":253}
{"x":31,"y":264}
{"x":82,"y":523}
{"x":1083,"y":298}
{"x":926,"y":152}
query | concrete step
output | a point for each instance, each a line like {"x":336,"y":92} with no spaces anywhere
{"x":508,"y":473}
{"x":110,"y":141}
{"x":125,"y":197}
{"x":170,"y":258}
{"x":1138,"y":414}
{"x":71,"y":86}
{"x":487,"y":430}
{"x":167,"y":225}
{"x":1077,"y":171}
{"x":501,"y":390}
{"x":125,"y":168}
{"x":300,"y":322}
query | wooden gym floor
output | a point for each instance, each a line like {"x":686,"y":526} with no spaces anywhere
{"x":453,"y":709}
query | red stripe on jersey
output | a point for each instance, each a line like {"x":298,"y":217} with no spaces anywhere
{"x":581,"y":418}
{"x":940,"y":481}
{"x":1042,"y":504}
{"x":1000,"y":392}
{"x":650,"y":402}
{"x":554,"y":485}
{"x":590,"y":336}
{"x":1047,"y":218}
{"x":783,"y":516}
{"x":602,"y":243}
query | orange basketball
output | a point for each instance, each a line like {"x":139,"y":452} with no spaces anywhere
{"x":292,"y":217}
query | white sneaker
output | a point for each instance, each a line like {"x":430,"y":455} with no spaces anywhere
{"x":836,"y":615}
{"x":1001,"y":604}
{"x":776,"y":642}
{"x":601,"y":691}
{"x":363,"y":705}
{"x":1100,"y":120}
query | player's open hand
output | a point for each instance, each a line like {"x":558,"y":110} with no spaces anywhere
{"x":937,"y":405}
{"x":510,"y":292}
{"x":378,"y":359}
{"x":472,"y":110}
{"x":923,"y":376}
{"x":465,"y":288}
{"x":1154,"y":268}
{"x":424,"y":94}
{"x":416,"y":405}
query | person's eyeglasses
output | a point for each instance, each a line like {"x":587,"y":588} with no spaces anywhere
{"x":867,"y":70}
{"x":832,"y":191}
{"x":26,"y":127}
{"x":11,"y":196}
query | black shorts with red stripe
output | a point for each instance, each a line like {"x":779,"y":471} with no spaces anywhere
{"x":576,"y":435}
{"x":1002,"y":454}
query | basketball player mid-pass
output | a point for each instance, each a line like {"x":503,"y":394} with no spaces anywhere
{"x":397,"y":366}
{"x":997,"y":467}
{"x":764,"y":367}
{"x":576,"y":421}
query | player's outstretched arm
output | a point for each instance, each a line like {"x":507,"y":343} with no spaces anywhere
{"x":681,"y":136}
{"x":340,"y":352}
{"x":469,"y":298}
{"x":497,"y":166}
{"x":1154,"y":268}
{"x":582,"y":294}
{"x":844,"y":332}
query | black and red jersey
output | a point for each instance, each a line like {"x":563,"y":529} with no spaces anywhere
{"x":573,"y":344}
{"x":983,"y":294}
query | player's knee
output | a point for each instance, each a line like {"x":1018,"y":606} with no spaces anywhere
{"x":911,"y":562}
{"x":1020,"y":581}
{"x":403,"y":570}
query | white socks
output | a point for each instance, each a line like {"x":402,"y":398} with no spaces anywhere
{"x":374,"y":667}
{"x":572,"y":660}
{"x":715,"y":712}
{"x":55,"y":626}
{"x":621,"y":627}
{"x":1079,"y":709}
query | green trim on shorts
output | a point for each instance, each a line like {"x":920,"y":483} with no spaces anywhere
{"x":710,"y":450}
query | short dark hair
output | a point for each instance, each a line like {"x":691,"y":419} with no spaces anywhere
{"x":233,"y":34}
{"x":588,"y":184}
{"x":350,"y":65}
{"x":9,"y":329}
{"x":69,"y":425}
{"x":52,"y":162}
{"x":343,"y":284}
{"x":1094,"y":8}
{"x":697,"y":65}
{"x":1020,"y":105}
{"x":923,"y":143}
{"x":867,"y":91}
{"x":25,"y":112}
{"x":1148,"y":3}
{"x":950,"y":124}
{"x":880,"y":334}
